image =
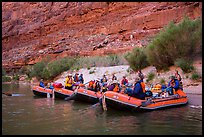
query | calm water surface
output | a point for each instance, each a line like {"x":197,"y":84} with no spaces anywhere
{"x":28,"y":115}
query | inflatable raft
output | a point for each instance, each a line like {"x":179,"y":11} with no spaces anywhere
{"x":85,"y":95}
{"x":40,"y":91}
{"x":62,"y":93}
{"x":123,"y":101}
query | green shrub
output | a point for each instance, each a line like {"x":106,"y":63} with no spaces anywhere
{"x":162,"y":81}
{"x":37,"y":70}
{"x":113,"y":59}
{"x":16,"y":77}
{"x":185,"y":65}
{"x":136,"y":59}
{"x":129,"y":70}
{"x":6,"y":79}
{"x":3,"y":72}
{"x":195,"y":76}
{"x":175,"y":41}
{"x":91,"y":71}
{"x":150,"y":76}
{"x":46,"y":74}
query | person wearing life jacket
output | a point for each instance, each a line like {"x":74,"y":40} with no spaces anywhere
{"x":178,"y":76}
{"x":116,"y":86}
{"x":41,"y":83}
{"x":76,"y":77}
{"x":49,"y":85}
{"x":97,"y":86}
{"x":69,"y":82}
{"x":81,"y":79}
{"x":104,"y":80}
{"x":124,"y":81}
{"x":105,"y":87}
{"x":114,"y":77}
{"x":90,"y":85}
{"x":172,"y":85}
{"x":111,"y":86}
{"x":137,"y":91}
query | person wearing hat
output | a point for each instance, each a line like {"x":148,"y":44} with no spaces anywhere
{"x":41,"y":83}
{"x":172,"y":85}
{"x":137,"y":90}
{"x":69,"y":82}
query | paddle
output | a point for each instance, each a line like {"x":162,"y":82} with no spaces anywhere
{"x":13,"y":94}
{"x":104,"y":102}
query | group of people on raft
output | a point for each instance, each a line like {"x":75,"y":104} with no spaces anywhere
{"x":138,"y":90}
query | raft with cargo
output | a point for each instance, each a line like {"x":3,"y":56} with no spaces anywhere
{"x":123,"y":101}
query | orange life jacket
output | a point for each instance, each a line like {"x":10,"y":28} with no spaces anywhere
{"x":143,"y":86}
{"x":116,"y":88}
{"x":91,"y":83}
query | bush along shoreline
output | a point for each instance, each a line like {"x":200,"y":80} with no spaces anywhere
{"x":176,"y":44}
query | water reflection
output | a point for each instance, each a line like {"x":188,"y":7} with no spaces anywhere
{"x":30,"y":115}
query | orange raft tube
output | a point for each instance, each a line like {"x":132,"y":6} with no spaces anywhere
{"x":86,"y":95}
{"x":40,"y":91}
{"x":123,"y":101}
{"x":62,"y":93}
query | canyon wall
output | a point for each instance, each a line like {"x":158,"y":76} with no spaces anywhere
{"x":32,"y":31}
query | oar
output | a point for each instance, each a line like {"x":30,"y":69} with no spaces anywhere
{"x":86,"y":83}
{"x":104,"y":102}
{"x":98,"y":103}
{"x":13,"y":94}
{"x":8,"y":94}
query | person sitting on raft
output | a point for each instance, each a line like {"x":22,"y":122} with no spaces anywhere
{"x":178,"y":76}
{"x":124,"y":81}
{"x":50,"y":85}
{"x":69,"y":82}
{"x":172,"y":85}
{"x":104,"y":80}
{"x":114,"y":86}
{"x":90,"y":85}
{"x":41,"y":83}
{"x":76,"y":78}
{"x":105,"y":87}
{"x":97,"y":86}
{"x":114,"y":77}
{"x":137,"y":91}
{"x":81,"y":79}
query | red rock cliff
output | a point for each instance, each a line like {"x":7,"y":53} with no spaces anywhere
{"x":33,"y":30}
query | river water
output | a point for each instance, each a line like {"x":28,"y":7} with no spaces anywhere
{"x":25,"y":114}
